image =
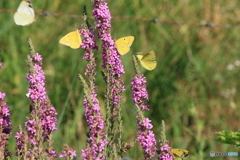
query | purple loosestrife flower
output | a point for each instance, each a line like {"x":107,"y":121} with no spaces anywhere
{"x":146,"y":136}
{"x":111,"y":59}
{"x":140,"y":95}
{"x":114,"y":70}
{"x":42,"y":120}
{"x":37,"y":94}
{"x":5,"y":121}
{"x":5,"y":126}
{"x":68,"y":152}
{"x":165,"y":152}
{"x":89,"y":44}
{"x":97,"y":138}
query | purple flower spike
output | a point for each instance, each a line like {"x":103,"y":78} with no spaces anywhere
{"x":146,"y":136}
{"x":111,"y":58}
{"x":42,"y":120}
{"x":97,"y":138}
{"x":37,"y":94}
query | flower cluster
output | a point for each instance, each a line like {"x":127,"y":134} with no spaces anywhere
{"x":68,"y":152}
{"x":139,"y":94}
{"x":37,"y":94}
{"x":5,"y":125}
{"x":111,"y":58}
{"x":42,"y":120}
{"x":97,"y":136}
{"x":146,"y":136}
{"x":165,"y":152}
{"x":89,"y":44}
{"x":5,"y":121}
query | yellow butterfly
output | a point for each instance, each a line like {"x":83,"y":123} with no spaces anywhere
{"x":179,"y":153}
{"x":123,"y":44}
{"x":25,"y":13}
{"x":148,"y":60}
{"x":72,"y":40}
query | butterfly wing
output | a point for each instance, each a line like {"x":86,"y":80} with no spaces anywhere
{"x":177,"y":158}
{"x":148,"y":61}
{"x":26,"y":7}
{"x":22,"y":19}
{"x":123,"y":44}
{"x":25,"y":13}
{"x":179,"y":153}
{"x":72,"y":40}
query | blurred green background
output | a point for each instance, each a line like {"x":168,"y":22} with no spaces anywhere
{"x":194,"y":89}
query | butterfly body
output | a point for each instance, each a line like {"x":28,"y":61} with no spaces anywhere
{"x":123,"y":44}
{"x":148,"y":60}
{"x":72,"y":40}
{"x":178,"y":153}
{"x":25,"y":13}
